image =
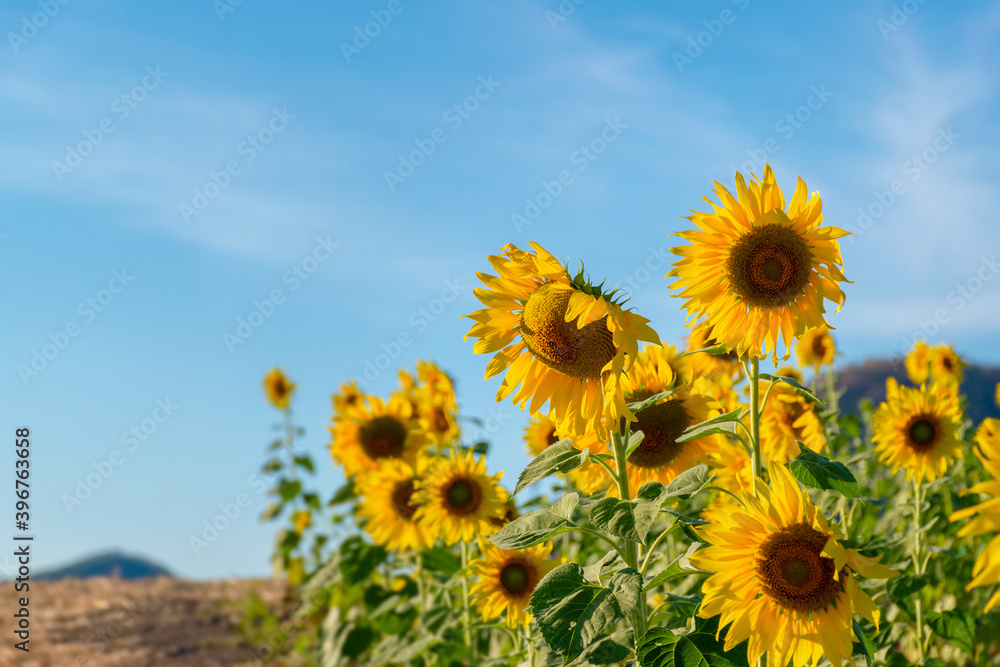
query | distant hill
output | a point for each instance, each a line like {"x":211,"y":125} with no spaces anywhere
{"x":111,"y":564}
{"x":867,"y":380}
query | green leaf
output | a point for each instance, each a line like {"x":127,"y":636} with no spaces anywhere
{"x":359,"y":638}
{"x":608,"y":650}
{"x":440,"y":560}
{"x":955,"y":625}
{"x":639,"y":406}
{"x":573,"y":613}
{"x":678,"y":569}
{"x":716,"y":350}
{"x":662,"y":648}
{"x":818,"y":472}
{"x":274,"y":465}
{"x":634,"y":440}
{"x":481,"y":448}
{"x":536,"y":527}
{"x":850,"y":424}
{"x":305,"y":462}
{"x":271,"y":511}
{"x":626,"y":586}
{"x":629,"y":520}
{"x":865,"y":647}
{"x":722,"y":424}
{"x":902,"y":590}
{"x":561,"y":457}
{"x":799,"y":389}
{"x":343,"y":494}
{"x":592,"y":572}
{"x":359,"y":559}
{"x":289,"y":489}
{"x":687,"y":483}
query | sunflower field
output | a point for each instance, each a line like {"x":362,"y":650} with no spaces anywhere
{"x":683,"y":507}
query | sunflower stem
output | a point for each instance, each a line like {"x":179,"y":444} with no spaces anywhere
{"x":758,"y":468}
{"x":918,"y":565}
{"x":831,"y":399}
{"x":466,"y":609}
{"x":620,"y":444}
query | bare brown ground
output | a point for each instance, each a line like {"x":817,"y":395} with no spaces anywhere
{"x":144,"y":623}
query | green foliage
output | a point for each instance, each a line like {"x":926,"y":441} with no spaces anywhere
{"x":818,"y":472}
{"x":662,"y":648}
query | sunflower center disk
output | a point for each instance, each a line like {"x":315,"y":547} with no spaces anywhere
{"x":515,"y":578}
{"x":819,"y":346}
{"x":922,"y":433}
{"x":401,"y":496}
{"x":661,"y":425}
{"x":560,"y":345}
{"x":462,"y":496}
{"x":383,"y":437}
{"x":552,"y":438}
{"x":441,"y":423}
{"x":792,"y":571}
{"x":769,"y":266}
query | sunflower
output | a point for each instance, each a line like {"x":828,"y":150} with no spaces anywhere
{"x":560,"y":339}
{"x":703,"y":364}
{"x":788,"y":418}
{"x":507,"y":580}
{"x":458,"y":500}
{"x":387,"y":501}
{"x":348,"y":399}
{"x":510,"y":511}
{"x":279,"y":389}
{"x":301,"y":520}
{"x":918,"y":362}
{"x":916,"y":428}
{"x":996,"y":398}
{"x":660,"y":458}
{"x":731,"y":466}
{"x":540,"y":434}
{"x":782,"y":579}
{"x":754,"y":271}
{"x":986,"y":570}
{"x":432,"y":401}
{"x":373,"y":432}
{"x":815,"y":348}
{"x":946,"y":365}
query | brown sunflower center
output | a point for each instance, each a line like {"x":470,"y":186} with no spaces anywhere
{"x":769,"y":265}
{"x":383,"y":437}
{"x":401,"y":499}
{"x":819,"y":346}
{"x":947,"y":363}
{"x":280,"y":388}
{"x":792,"y":571}
{"x":462,"y":496}
{"x":515,"y":578}
{"x":661,"y":425}
{"x":790,"y":413}
{"x":441,"y":423}
{"x":551,"y":438}
{"x":560,"y":345}
{"x":922,"y":433}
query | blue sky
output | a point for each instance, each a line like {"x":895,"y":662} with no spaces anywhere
{"x":211,"y":157}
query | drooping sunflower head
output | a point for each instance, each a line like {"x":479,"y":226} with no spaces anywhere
{"x":756,"y":272}
{"x":918,"y":362}
{"x":782,"y":578}
{"x":431,"y":396}
{"x":373,"y":432}
{"x":561,"y":339}
{"x":387,"y":501}
{"x":986,"y":570}
{"x":787,"y":418}
{"x":279,"y":389}
{"x":507,"y":579}
{"x":815,"y":348}
{"x":458,"y":500}
{"x":946,"y":365}
{"x":917,"y":429}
